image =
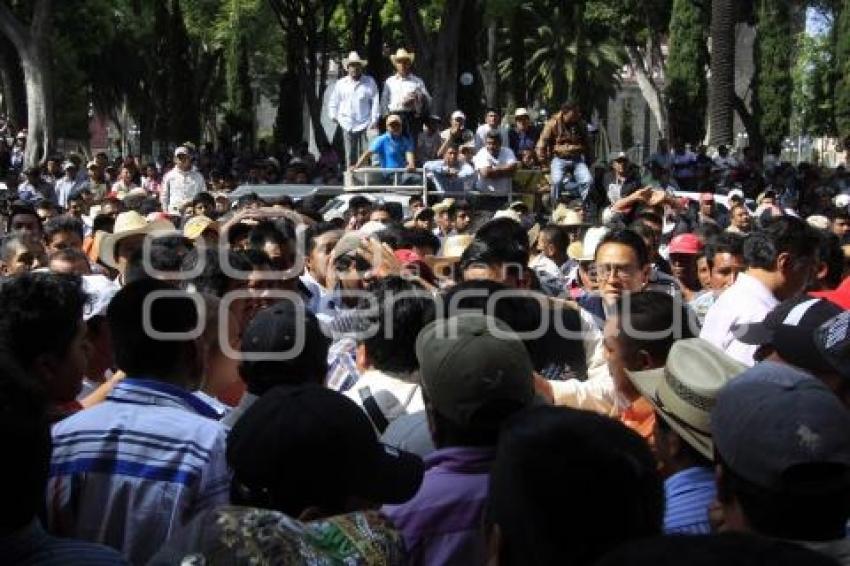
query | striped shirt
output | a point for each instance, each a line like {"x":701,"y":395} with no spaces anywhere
{"x":131,"y":470}
{"x":688,"y":494}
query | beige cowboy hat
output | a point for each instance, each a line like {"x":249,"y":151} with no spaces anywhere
{"x":586,"y":250}
{"x":443,"y":265}
{"x":565,"y":216}
{"x":402,"y":53}
{"x":130,"y":223}
{"x":354,"y":59}
{"x":443,"y":205}
{"x":684,"y":390}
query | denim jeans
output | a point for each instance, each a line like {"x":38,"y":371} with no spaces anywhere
{"x":355,"y":144}
{"x":577,"y":187}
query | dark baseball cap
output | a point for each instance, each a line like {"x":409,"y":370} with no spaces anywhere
{"x":790,"y":329}
{"x":832,"y":340}
{"x":474,"y":369}
{"x":774,"y":417}
{"x":287,"y":331}
{"x":299,"y":446}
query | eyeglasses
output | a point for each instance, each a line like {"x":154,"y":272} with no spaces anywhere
{"x":605,"y":270}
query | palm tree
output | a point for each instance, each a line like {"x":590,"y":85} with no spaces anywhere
{"x":564,"y":66}
{"x":721,"y":93}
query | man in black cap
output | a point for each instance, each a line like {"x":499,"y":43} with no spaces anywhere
{"x":787,"y":336}
{"x":832,"y":339}
{"x":475,"y":374}
{"x":283,"y":345}
{"x":782,"y":451}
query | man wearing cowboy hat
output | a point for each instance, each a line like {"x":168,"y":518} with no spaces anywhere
{"x":127,"y":239}
{"x":354,"y":105}
{"x":405,"y":94}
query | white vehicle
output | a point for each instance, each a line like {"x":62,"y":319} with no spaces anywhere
{"x":337,"y":206}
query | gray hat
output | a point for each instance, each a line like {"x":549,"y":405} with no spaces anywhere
{"x":774,"y":417}
{"x":832,"y":339}
{"x":472,"y":362}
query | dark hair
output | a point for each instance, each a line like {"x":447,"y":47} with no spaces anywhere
{"x":21,"y":208}
{"x":359,"y":201}
{"x":813,"y":504}
{"x":493,"y":136}
{"x":784,"y":234}
{"x":728,"y":549}
{"x":524,"y":313}
{"x":650,"y":216}
{"x":557,"y":236}
{"x":204,"y":198}
{"x":831,"y":253}
{"x":689,"y":453}
{"x":660,"y":320}
{"x":506,"y":253}
{"x":166,"y":254}
{"x":545,"y":446}
{"x":502,"y":229}
{"x":149,"y":206}
{"x":255,"y":259}
{"x":267,"y":331}
{"x":312,"y":234}
{"x":63,"y":223}
{"x":723,"y":243}
{"x":68,"y":254}
{"x":708,"y":230}
{"x":418,"y":238}
{"x":103,"y":222}
{"x":841,"y":214}
{"x":137,"y":352}
{"x":41,"y":314}
{"x":403,"y":309}
{"x":628,"y":238}
{"x":212,"y":280}
{"x":134,"y":202}
{"x":23,"y":417}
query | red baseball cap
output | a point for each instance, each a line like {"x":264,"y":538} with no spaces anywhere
{"x":840,"y":296}
{"x":685,"y":244}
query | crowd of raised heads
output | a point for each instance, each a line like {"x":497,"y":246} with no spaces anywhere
{"x":619,"y":363}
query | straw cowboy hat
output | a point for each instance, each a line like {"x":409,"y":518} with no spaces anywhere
{"x":453,"y":247}
{"x":354,"y":59}
{"x":197,"y":225}
{"x":684,"y":390}
{"x":564,"y":216}
{"x":402,"y":54}
{"x":586,"y":250}
{"x":130,"y":223}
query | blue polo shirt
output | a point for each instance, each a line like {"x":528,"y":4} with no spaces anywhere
{"x":391,"y":150}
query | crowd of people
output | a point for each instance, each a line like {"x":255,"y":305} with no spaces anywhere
{"x":612,"y":374}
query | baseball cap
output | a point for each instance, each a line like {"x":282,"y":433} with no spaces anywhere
{"x":306,"y":445}
{"x":774,"y":417}
{"x":68,"y":165}
{"x":458,"y":114}
{"x":474,"y":370}
{"x":393,"y":118}
{"x":197,"y":225}
{"x":842,"y":200}
{"x":789,"y":328}
{"x":621,"y":156}
{"x":832,"y":340}
{"x":840,"y":296}
{"x":685,"y":244}
{"x":520,"y":112}
{"x":684,"y":390}
{"x":350,"y":242}
{"x":181,"y":150}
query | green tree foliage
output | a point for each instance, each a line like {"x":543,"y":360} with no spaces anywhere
{"x":812,"y":76}
{"x":842,"y":59}
{"x":686,"y":91}
{"x":773,"y":85}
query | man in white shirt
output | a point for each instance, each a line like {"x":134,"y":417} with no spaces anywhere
{"x":181,"y":184}
{"x":782,"y":258}
{"x":492,"y":123}
{"x":354,"y":105}
{"x":405,"y":94}
{"x":496,"y":165}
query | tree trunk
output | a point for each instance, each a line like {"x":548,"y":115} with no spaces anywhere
{"x":436,"y":57}
{"x":722,"y":85}
{"x":519,"y":84}
{"x":489,"y":70}
{"x":31,"y":44}
{"x":12,"y":76}
{"x":648,"y":87}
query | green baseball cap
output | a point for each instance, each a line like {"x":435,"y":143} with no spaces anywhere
{"x":474,"y":370}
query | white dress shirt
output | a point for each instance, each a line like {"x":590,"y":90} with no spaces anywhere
{"x":396,"y":90}
{"x":497,"y":185}
{"x":354,"y":104}
{"x":179,"y":187}
{"x":746,"y":301}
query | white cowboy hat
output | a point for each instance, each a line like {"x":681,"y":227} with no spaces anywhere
{"x":587,"y":252}
{"x":402,"y":53}
{"x":565,"y":216}
{"x":684,"y":390}
{"x":354,"y":58}
{"x":130,"y":223}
